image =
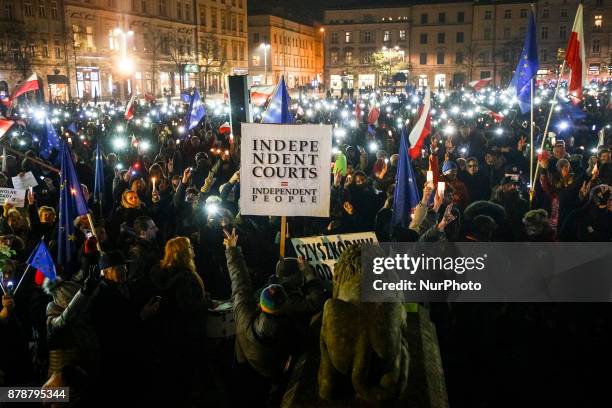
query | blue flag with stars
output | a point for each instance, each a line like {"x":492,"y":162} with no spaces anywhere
{"x":72,"y":127}
{"x":41,"y":259}
{"x":72,"y":204}
{"x":196,"y":110}
{"x":278,"y":108}
{"x":526,"y":68}
{"x":406,"y":195}
{"x":49,"y":140}
{"x":98,"y":192}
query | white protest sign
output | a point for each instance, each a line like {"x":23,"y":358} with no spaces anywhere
{"x":323,"y":252}
{"x":23,"y":181}
{"x":12,"y":196}
{"x":284,"y":170}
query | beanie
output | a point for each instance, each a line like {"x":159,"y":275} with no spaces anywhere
{"x":272,"y":299}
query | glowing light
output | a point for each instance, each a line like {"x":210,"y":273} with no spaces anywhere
{"x":449,"y":130}
{"x":563,"y":125}
{"x":145,"y":145}
{"x":335,"y":150}
{"x":120,"y":128}
{"x":340,"y":132}
{"x":373,"y":147}
{"x":499,"y":131}
{"x":181,"y":129}
{"x":119,"y":143}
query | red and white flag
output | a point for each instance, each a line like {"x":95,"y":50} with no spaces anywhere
{"x":575,"y":58}
{"x":480,"y":83}
{"x":5,"y":126}
{"x":31,"y":84}
{"x":260,"y":94}
{"x":421,"y":129}
{"x":373,"y":115}
{"x":129,"y":109}
{"x":225,"y":128}
{"x":496,"y":116}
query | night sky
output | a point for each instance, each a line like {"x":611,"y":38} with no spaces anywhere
{"x":310,"y":10}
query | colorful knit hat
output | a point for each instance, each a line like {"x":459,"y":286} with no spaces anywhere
{"x":272,"y":299}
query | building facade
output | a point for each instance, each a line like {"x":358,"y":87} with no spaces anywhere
{"x":32,"y":40}
{"x":282,"y":47}
{"x":222,"y":41}
{"x":448,"y":44}
{"x":111,"y":48}
{"x":354,"y":37}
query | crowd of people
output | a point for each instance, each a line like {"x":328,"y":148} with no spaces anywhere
{"x":128,"y":320}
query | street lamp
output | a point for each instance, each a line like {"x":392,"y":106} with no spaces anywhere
{"x":265,"y":48}
{"x":126,"y":65}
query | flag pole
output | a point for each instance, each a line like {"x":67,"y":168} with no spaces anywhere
{"x":283,"y":233}
{"x":552,"y":109}
{"x":20,"y":280}
{"x":531,"y":139}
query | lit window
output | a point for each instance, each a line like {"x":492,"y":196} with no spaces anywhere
{"x":347,"y":37}
{"x":598,"y":21}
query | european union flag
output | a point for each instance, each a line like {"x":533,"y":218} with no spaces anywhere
{"x":196,"y":110}
{"x":72,"y":204}
{"x":278,"y":108}
{"x":185,"y":97}
{"x":406,"y":192}
{"x":49,"y":139}
{"x":41,"y":259}
{"x":98,"y":192}
{"x":73,"y":128}
{"x":526,"y":68}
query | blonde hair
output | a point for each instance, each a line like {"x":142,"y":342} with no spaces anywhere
{"x":44,"y":208}
{"x":125,"y":203}
{"x":177,"y":254}
{"x":16,"y":219}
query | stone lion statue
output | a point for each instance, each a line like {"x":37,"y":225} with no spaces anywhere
{"x":365,"y":343}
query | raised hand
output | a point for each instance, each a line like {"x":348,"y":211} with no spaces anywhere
{"x":230,"y":240}
{"x":186,"y":175}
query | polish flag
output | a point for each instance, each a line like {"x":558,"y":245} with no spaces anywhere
{"x":421,"y":129}
{"x":480,"y":83}
{"x":373,"y":115}
{"x":31,"y":84}
{"x":225,"y":128}
{"x":575,"y":58}
{"x":129,"y":109}
{"x":261,"y":94}
{"x":5,"y":126}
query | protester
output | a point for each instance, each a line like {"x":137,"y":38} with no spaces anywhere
{"x":169,"y":241}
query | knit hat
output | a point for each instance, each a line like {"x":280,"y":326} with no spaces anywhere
{"x":272,"y":299}
{"x":448,"y":166}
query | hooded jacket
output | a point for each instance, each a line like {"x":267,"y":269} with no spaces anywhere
{"x":261,"y":339}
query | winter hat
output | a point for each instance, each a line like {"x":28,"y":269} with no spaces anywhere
{"x":448,"y":166}
{"x":111,"y":259}
{"x":272,"y":299}
{"x":288,"y":273}
{"x":600,"y":195}
{"x":538,"y":217}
